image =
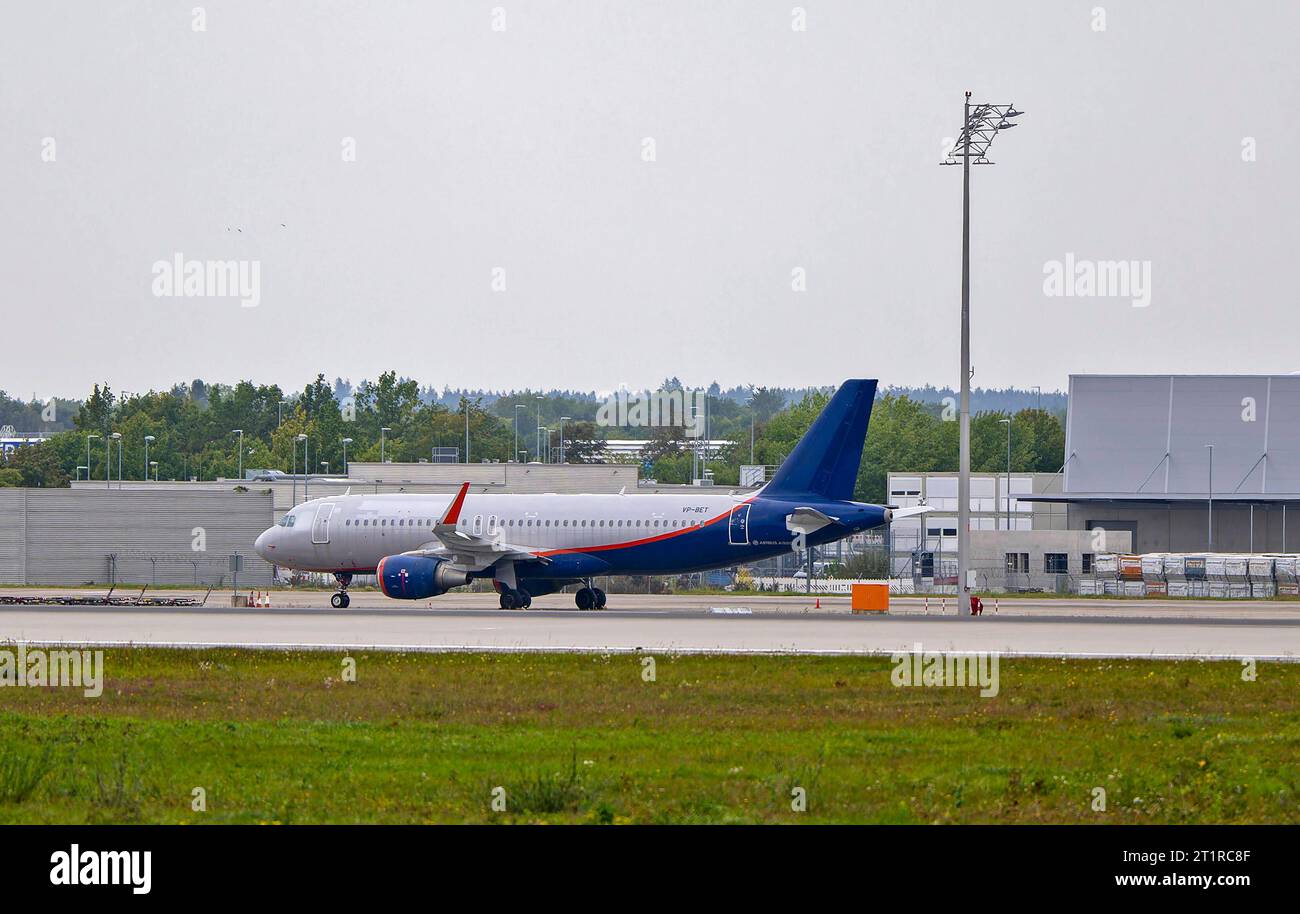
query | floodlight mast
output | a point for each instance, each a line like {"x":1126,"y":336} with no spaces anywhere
{"x":980,"y":124}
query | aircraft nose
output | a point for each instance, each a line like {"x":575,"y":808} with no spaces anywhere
{"x":263,"y":546}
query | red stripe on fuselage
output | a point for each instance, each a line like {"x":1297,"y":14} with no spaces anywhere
{"x":648,"y":539}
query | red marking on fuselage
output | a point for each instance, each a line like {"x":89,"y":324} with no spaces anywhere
{"x":648,"y":539}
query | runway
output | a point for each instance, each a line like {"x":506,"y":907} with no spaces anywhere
{"x":668,"y":625}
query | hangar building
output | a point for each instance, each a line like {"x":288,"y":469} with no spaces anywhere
{"x":1185,"y":463}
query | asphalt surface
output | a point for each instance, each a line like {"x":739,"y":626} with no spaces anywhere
{"x":1045,"y":627}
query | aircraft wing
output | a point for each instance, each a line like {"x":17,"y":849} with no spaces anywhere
{"x":467,"y":550}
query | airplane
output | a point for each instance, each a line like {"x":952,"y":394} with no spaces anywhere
{"x":422,"y":545}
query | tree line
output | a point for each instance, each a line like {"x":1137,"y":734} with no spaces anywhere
{"x":193,"y":428}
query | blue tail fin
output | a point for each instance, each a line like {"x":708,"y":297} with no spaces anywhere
{"x":825,"y":461}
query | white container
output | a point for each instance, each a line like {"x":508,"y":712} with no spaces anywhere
{"x":1153,"y":567}
{"x":1106,"y":564}
{"x":1259,"y":569}
{"x":1284,"y":569}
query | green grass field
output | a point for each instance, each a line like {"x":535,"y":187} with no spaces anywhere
{"x":282,"y":738}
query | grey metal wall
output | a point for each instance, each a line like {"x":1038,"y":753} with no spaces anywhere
{"x":92,"y":536}
{"x":1148,"y":434}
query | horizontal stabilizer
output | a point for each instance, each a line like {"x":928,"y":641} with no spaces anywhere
{"x":808,"y":521}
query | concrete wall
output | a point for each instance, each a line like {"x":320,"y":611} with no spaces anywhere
{"x":92,"y":536}
{"x":989,"y":551}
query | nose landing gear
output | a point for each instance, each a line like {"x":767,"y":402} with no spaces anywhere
{"x":340,"y":600}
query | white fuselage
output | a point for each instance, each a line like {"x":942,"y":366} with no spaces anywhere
{"x":353,"y":532}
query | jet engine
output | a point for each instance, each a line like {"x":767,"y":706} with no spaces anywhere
{"x":417,"y":577}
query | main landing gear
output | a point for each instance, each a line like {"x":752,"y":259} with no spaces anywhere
{"x":340,"y":600}
{"x":515,"y":598}
{"x":589,"y":597}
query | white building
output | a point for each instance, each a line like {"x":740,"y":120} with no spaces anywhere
{"x":926,"y":546}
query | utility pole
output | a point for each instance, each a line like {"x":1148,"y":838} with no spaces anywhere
{"x":751,"y":431}
{"x":539,"y":428}
{"x":980,"y":124}
{"x":1209,"y":529}
{"x":1007,"y":423}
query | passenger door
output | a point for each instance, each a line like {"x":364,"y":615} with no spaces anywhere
{"x":320,"y":528}
{"x":738,"y":526}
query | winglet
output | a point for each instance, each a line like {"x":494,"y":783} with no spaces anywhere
{"x":453,"y":513}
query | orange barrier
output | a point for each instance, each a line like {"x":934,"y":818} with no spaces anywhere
{"x":869,"y":598}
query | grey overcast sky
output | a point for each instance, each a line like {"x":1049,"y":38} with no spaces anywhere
{"x":1166,"y":134}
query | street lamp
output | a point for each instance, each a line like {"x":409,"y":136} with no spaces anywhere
{"x":148,"y":439}
{"x":695,"y":445}
{"x":117,"y":436}
{"x":88,"y":437}
{"x":240,"y":433}
{"x":294,"y":467}
{"x":980,"y":124}
{"x":539,"y":429}
{"x":1007,"y":423}
{"x":563,"y":419}
{"x":382,"y":433}
{"x":346,"y":442}
{"x":518,"y":407}
{"x":467,"y":429}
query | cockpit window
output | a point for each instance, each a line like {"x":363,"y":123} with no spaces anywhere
{"x":287,"y":521}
